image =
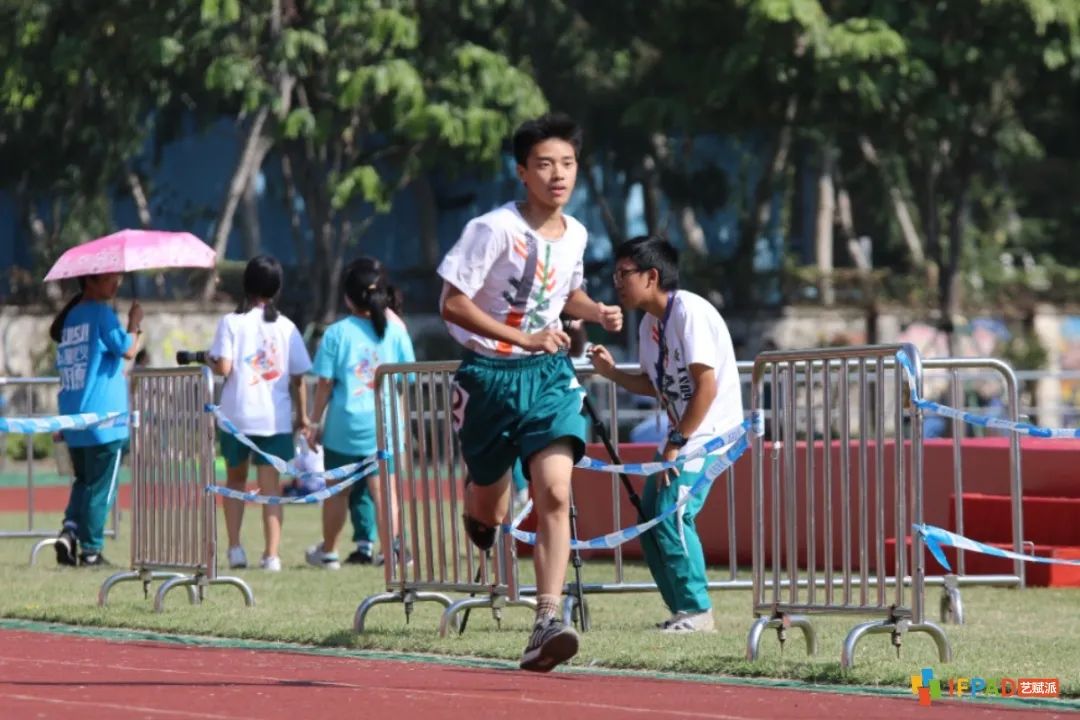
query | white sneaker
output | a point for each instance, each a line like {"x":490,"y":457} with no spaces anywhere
{"x":315,"y":556}
{"x":692,"y":622}
{"x":271,"y":564}
{"x":237,"y":557}
{"x":671,"y":620}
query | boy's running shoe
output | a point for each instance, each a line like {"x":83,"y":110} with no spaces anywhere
{"x":551,"y":643}
{"x":93,"y":559}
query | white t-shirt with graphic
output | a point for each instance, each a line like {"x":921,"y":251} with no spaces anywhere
{"x":513,"y":274}
{"x":695,"y":334}
{"x":264,"y":355}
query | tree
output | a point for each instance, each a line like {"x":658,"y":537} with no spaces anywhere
{"x":73,"y":116}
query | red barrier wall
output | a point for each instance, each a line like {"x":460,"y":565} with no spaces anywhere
{"x":1050,"y":468}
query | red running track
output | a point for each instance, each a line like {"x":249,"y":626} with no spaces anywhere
{"x":49,"y":675}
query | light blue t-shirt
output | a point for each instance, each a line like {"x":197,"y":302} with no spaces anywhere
{"x":348,"y":354}
{"x":90,"y":362}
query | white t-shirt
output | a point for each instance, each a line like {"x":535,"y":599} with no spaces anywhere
{"x":513,"y":274}
{"x":265,"y":355}
{"x":695,"y":334}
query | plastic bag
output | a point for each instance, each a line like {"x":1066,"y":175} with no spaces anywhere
{"x":308,"y":460}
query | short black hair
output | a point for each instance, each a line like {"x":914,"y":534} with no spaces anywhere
{"x":545,"y":127}
{"x":651,"y":252}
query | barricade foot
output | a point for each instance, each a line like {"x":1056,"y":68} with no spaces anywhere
{"x":39,"y":546}
{"x":406,"y":598}
{"x":570,"y":604}
{"x":146,"y":576}
{"x":243,"y":587}
{"x":781,"y":622}
{"x":952,"y":603}
{"x":938,"y":635}
{"x":196,"y":585}
{"x":449,"y":619}
{"x":897,"y":627}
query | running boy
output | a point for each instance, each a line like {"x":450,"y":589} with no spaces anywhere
{"x":687,"y":360}
{"x":506,"y":280}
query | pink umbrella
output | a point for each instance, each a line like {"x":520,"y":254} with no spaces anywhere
{"x":130,"y":250}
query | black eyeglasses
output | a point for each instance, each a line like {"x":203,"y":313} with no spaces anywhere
{"x":619,"y":275}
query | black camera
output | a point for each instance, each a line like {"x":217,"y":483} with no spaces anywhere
{"x":187,"y":357}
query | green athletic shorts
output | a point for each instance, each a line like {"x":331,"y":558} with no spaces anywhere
{"x":506,"y":408}
{"x":236,"y":453}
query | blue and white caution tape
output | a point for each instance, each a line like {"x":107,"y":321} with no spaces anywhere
{"x":936,"y":408}
{"x":935,"y":538}
{"x":755,"y":423}
{"x":614,"y":539}
{"x":288,"y":468}
{"x":32,"y":425}
{"x":310,"y":499}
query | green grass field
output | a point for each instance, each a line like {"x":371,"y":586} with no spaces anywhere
{"x":1030,"y":633}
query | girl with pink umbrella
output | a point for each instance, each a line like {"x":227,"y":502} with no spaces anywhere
{"x":91,"y":349}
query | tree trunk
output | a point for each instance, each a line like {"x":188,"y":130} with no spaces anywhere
{"x":430,"y":252}
{"x":650,"y":187}
{"x":296,"y":226}
{"x":615,"y":230}
{"x":823,"y":228}
{"x":249,"y":205}
{"x":755,"y":219}
{"x":898,"y":203}
{"x":688,"y":222}
{"x":138,"y":195}
{"x":254,"y":150}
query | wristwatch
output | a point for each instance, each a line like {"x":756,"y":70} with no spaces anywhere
{"x":677,"y":439}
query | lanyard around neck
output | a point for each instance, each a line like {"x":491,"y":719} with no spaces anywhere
{"x":661,"y":356}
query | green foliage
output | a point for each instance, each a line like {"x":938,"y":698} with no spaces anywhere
{"x":16,"y":446}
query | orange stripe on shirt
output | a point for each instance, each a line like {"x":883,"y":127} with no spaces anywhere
{"x":513,"y":319}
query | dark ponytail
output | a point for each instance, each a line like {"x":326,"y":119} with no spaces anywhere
{"x":365,"y":286}
{"x":262,"y":281}
{"x":56,"y":330}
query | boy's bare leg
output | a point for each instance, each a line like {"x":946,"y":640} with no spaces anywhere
{"x":550,"y":470}
{"x":489,"y":504}
{"x":551,"y":643}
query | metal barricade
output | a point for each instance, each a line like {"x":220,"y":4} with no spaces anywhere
{"x":174,"y":519}
{"x":35,"y":397}
{"x":414,"y":411}
{"x":793,"y":506}
{"x":429,"y":470}
{"x":956,"y":372}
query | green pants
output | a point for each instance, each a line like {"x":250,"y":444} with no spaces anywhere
{"x":675,"y":559}
{"x":506,"y":410}
{"x":94,"y":492}
{"x":362,"y":510}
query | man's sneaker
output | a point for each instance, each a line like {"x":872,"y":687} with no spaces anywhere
{"x":315,"y":556}
{"x":481,"y":535}
{"x":93,"y":559}
{"x":692,"y":622}
{"x":359,"y":557}
{"x":551,"y":643}
{"x":671,"y":620}
{"x":237,"y":557}
{"x":67,"y":548}
{"x":271,"y":563}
